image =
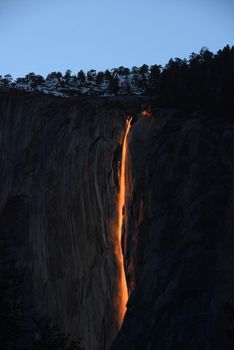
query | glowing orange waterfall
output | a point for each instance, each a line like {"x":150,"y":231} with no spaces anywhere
{"x":123,"y":291}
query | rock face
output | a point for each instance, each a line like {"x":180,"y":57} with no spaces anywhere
{"x":180,"y":235}
{"x":59,"y":182}
{"x":59,"y":164}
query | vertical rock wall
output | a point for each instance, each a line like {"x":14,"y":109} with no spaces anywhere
{"x":58,"y":196}
{"x":58,"y":186}
{"x":180,"y":235}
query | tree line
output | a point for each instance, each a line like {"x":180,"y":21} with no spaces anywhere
{"x":115,"y":81}
{"x":202,"y":82}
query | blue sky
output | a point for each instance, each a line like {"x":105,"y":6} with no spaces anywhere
{"x":54,"y":35}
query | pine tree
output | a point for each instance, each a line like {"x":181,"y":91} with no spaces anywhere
{"x":113,"y":85}
{"x":91,"y":75}
{"x":99,"y":78}
{"x":81,"y":76}
{"x":67,"y":76}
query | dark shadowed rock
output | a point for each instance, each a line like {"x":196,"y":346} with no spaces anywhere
{"x":59,"y":181}
{"x":180,"y":251}
{"x":57,"y":199}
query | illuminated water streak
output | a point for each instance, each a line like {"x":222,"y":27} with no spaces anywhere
{"x":122,"y":290}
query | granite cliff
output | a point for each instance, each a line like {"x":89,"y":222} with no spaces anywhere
{"x":179,"y":227}
{"x":59,"y":186}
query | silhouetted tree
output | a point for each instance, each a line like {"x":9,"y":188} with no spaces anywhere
{"x":113,"y":85}
{"x":81,"y":76}
{"x":67,"y":76}
{"x":34,"y":79}
{"x":144,"y":69}
{"x":154,"y":79}
{"x":6,"y":80}
{"x":107,"y":75}
{"x":91,"y":75}
{"x":54,"y":75}
{"x":99,"y":78}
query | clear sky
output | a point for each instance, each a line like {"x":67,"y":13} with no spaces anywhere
{"x":54,"y":35}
